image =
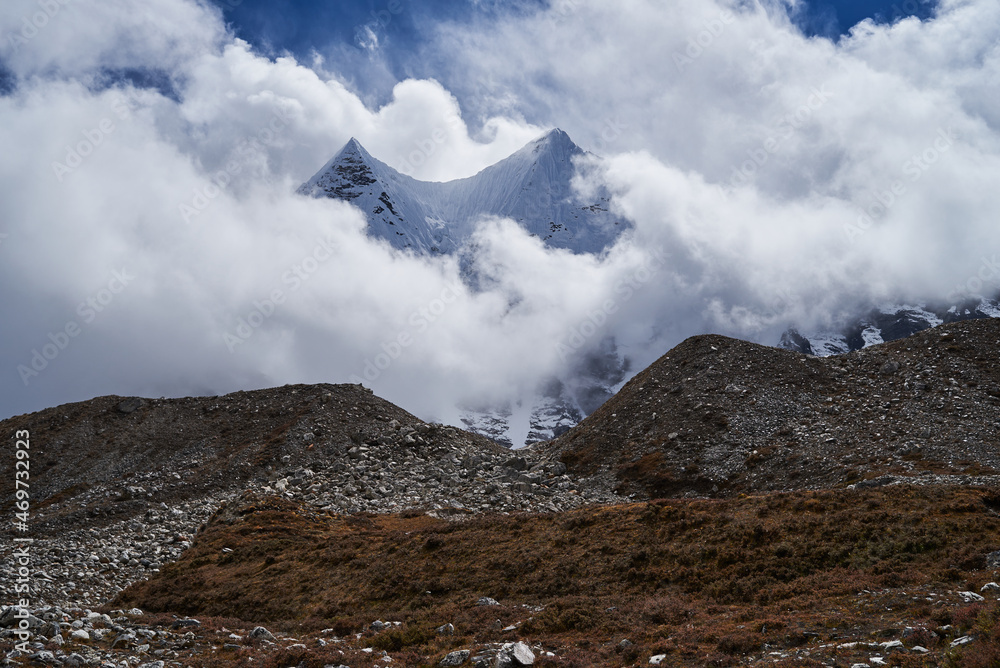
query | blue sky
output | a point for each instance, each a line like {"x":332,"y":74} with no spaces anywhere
{"x":834,"y":17}
{"x":303,"y":25}
{"x":342,"y":32}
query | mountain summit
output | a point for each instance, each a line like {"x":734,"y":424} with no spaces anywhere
{"x":532,"y":187}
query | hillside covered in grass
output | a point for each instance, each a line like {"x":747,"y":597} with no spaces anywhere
{"x":802,"y":578}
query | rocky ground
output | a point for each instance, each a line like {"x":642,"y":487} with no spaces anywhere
{"x":121,"y":486}
{"x":896,"y":575}
{"x":134,"y":495}
{"x":716,"y":416}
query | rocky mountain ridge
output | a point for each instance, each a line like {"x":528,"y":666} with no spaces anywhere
{"x":532,"y":187}
{"x":722,"y":416}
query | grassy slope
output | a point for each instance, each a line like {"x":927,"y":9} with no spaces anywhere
{"x":709,"y":582}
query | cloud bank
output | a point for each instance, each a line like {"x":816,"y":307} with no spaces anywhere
{"x":152,"y":242}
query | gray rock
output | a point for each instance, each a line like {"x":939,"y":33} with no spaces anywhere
{"x":486,"y":600}
{"x":124,"y":640}
{"x":455,"y":658}
{"x":130,"y":405}
{"x":517,"y":463}
{"x":523,"y":654}
{"x":260,"y":633}
{"x":9,"y":618}
{"x":515,"y":654}
{"x":446,"y":630}
{"x":881,"y":481}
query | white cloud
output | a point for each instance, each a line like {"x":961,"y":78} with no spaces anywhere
{"x":826,"y":130}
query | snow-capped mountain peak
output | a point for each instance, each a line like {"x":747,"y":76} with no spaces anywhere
{"x":532,"y":187}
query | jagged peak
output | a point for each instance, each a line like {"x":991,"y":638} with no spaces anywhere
{"x":554,"y":137}
{"x":554,"y":142}
{"x":353,"y":147}
{"x":556,"y":134}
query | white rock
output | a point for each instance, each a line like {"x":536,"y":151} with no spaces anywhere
{"x":522,"y":654}
{"x":970,"y":596}
{"x":660,"y":658}
{"x":964,"y":640}
{"x":990,"y":586}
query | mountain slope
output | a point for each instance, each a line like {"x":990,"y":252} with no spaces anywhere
{"x":174,"y":450}
{"x":533,"y":187}
{"x":717,"y":415}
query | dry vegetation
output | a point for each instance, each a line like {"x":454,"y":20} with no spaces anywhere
{"x":707,"y":582}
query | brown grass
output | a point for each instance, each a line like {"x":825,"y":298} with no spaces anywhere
{"x":705,"y":581}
